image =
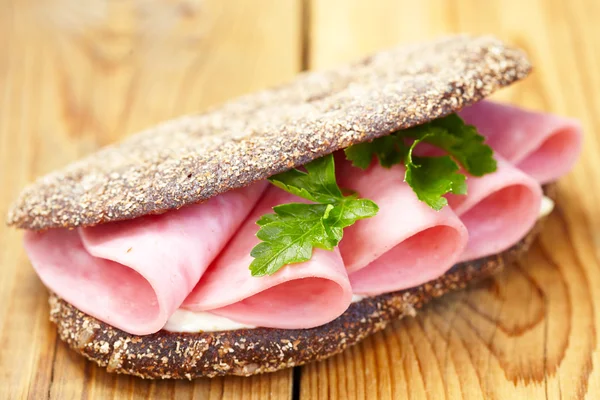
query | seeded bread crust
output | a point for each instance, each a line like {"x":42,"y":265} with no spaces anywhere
{"x":253,"y":351}
{"x":195,"y":157}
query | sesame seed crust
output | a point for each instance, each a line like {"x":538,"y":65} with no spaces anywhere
{"x":246,"y":352}
{"x":195,"y":157}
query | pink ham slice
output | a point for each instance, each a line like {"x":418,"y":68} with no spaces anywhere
{"x":134,"y":274}
{"x":302,"y":295}
{"x":544,"y":146}
{"x":406,"y":244}
{"x":498,"y":211}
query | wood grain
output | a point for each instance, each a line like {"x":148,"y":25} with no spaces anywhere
{"x":77,"y":75}
{"x":532,"y":331}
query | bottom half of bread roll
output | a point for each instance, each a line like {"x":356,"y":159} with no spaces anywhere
{"x":252,"y":351}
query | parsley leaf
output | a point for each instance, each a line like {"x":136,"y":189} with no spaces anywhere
{"x":360,"y":154}
{"x":389,"y":151}
{"x":346,"y":213}
{"x":431,"y":177}
{"x":460,"y":140}
{"x":290,"y":234}
{"x":317,"y":184}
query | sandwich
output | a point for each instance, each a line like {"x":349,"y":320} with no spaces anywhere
{"x":285,"y":225}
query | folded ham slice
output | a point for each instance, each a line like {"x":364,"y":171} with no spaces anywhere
{"x":498,"y":211}
{"x":544,"y":146}
{"x":134,"y":274}
{"x":302,"y":295}
{"x":406,"y":244}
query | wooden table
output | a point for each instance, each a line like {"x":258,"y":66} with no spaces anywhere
{"x":76,"y":75}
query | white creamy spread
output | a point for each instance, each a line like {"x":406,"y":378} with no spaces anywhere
{"x":358,"y":297}
{"x":547,"y":206}
{"x":197,"y":321}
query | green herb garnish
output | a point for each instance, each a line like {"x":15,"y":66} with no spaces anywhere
{"x":431,"y":177}
{"x":289,"y":235}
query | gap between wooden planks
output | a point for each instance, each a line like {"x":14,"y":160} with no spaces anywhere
{"x":66,"y":89}
{"x":77,"y":75}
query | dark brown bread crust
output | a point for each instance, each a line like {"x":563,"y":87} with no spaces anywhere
{"x":195,"y":157}
{"x":253,"y":351}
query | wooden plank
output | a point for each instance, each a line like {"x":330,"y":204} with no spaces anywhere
{"x":531,"y":332}
{"x":77,"y":75}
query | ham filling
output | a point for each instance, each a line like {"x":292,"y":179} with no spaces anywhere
{"x":503,"y":205}
{"x":544,"y":146}
{"x":400,"y":247}
{"x":303,"y":295}
{"x":135,"y":275}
